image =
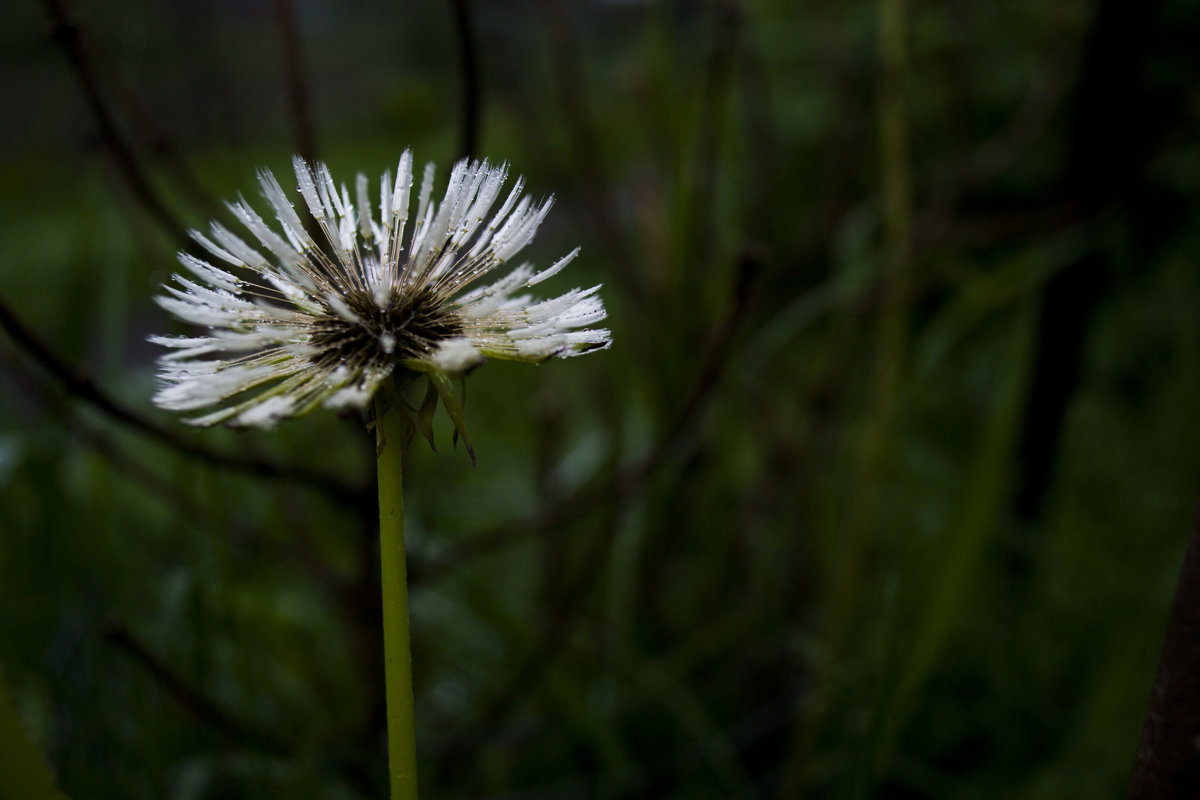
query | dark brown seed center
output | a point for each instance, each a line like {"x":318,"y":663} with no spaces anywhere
{"x":410,"y":327}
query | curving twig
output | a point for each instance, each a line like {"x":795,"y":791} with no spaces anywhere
{"x":628,"y":480}
{"x":537,"y":660}
{"x":86,"y":391}
{"x":201,"y":708}
{"x":135,"y":470}
{"x":587,"y":149}
{"x":679,"y":439}
{"x":469,"y":73}
{"x":297,"y":85}
{"x":66,"y":33}
{"x":158,"y":145}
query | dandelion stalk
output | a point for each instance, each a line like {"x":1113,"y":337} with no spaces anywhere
{"x":397,"y":655}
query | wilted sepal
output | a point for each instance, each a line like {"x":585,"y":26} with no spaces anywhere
{"x":439,"y":383}
{"x":424,"y":416}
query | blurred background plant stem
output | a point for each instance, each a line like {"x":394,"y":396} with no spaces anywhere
{"x":859,"y":517}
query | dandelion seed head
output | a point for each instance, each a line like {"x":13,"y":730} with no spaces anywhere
{"x":291,"y":324}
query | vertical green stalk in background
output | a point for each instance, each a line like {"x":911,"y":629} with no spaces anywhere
{"x":846,"y":591}
{"x":892,"y":334}
{"x":402,"y":744}
{"x":977,"y":518}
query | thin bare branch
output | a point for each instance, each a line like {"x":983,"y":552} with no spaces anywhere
{"x":151,"y":481}
{"x":196,"y":705}
{"x":83,"y":389}
{"x":299,"y":548}
{"x":207,"y":712}
{"x":297,"y":84}
{"x":469,"y":75}
{"x":587,"y":151}
{"x":565,"y":609}
{"x":679,"y":439}
{"x":66,"y":33}
{"x":159,"y":146}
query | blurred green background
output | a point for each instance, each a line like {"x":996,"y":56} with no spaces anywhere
{"x":881,"y":490}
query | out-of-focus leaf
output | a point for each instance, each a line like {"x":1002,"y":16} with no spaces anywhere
{"x":24,"y":772}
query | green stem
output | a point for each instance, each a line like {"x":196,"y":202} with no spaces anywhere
{"x":402,"y":744}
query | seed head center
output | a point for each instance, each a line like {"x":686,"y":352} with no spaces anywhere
{"x":409,"y":326}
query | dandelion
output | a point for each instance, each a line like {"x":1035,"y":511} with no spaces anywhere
{"x":316,"y":326}
{"x":292,"y":325}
